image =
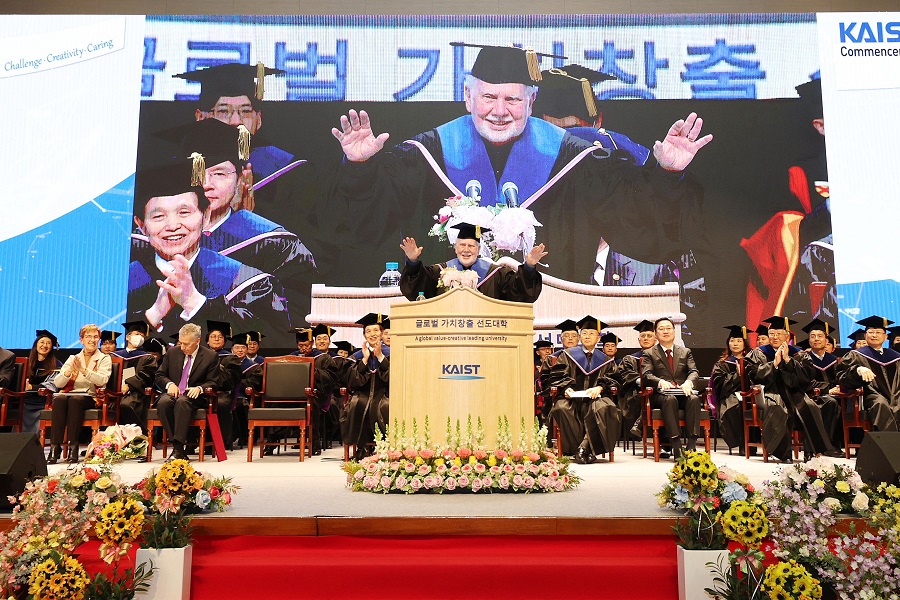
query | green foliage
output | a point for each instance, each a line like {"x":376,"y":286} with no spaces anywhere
{"x":131,"y":582}
{"x":170,"y":530}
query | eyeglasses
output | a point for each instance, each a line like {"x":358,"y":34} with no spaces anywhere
{"x":220,"y":176}
{"x":225,"y":112}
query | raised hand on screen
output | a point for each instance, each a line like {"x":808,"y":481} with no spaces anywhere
{"x":356,"y":137}
{"x":681,"y":144}
{"x":413,"y":252}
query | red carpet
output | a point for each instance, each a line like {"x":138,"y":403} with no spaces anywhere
{"x":287,"y":567}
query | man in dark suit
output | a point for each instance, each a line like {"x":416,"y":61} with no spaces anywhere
{"x":671,"y":371}
{"x":186,"y":370}
{"x":7,"y":368}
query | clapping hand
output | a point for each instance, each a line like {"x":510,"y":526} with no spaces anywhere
{"x":356,"y":137}
{"x":180,"y":285}
{"x":681,"y":144}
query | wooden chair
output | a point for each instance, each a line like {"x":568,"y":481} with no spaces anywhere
{"x":199,"y":420}
{"x":13,"y":398}
{"x":95,"y":418}
{"x":285,"y":400}
{"x":348,"y":448}
{"x":652,"y":420}
{"x":854,"y":416}
{"x":557,"y":435}
{"x":753,"y":414}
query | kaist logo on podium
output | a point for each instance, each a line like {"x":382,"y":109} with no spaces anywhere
{"x":460,"y":372}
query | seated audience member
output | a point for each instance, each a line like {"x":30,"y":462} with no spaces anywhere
{"x":251,"y":376}
{"x":784,"y":371}
{"x":184,"y":373}
{"x":108,"y":341}
{"x":830,"y":344}
{"x":175,"y":280}
{"x":670,"y":370}
{"x":610,"y":343}
{"x":139,"y":371}
{"x":589,"y":421}
{"x":874,"y":368}
{"x":762,"y":335}
{"x":386,"y":337}
{"x":568,"y":335}
{"x":823,"y":383}
{"x":253,"y":345}
{"x":495,"y":281}
{"x":344,"y":349}
{"x":42,"y":362}
{"x":77,"y":381}
{"x":542,"y":351}
{"x":368,"y":380}
{"x":727,"y":381}
{"x":321,"y":335}
{"x":629,"y":378}
{"x":228,"y":378}
{"x":857,"y":339}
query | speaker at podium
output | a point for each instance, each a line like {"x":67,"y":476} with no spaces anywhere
{"x":21,"y":460}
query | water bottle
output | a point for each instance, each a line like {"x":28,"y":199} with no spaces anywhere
{"x":420,"y":297}
{"x":391,"y":276}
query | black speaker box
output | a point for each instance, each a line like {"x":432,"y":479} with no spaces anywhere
{"x":878,"y":458}
{"x":21,"y":460}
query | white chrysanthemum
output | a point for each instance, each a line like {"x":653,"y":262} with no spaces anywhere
{"x":513,"y":229}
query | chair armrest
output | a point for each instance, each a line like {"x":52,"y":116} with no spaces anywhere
{"x":311,"y":393}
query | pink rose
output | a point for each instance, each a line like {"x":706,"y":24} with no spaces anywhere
{"x":529,"y":481}
{"x":534,"y":456}
{"x":429,"y":482}
{"x":464,"y":453}
{"x":503,"y":482}
{"x":416,"y":484}
{"x":480,"y":468}
{"x":370,"y":482}
{"x":441,"y":469}
{"x":394,"y":454}
{"x":424,"y":470}
{"x":518,"y":481}
{"x":400,"y":482}
{"x":395,"y":465}
{"x":371,"y":468}
{"x":448,"y":454}
{"x":517,"y":454}
{"x":480,"y":454}
{"x":534,"y":469}
{"x":410,"y":453}
{"x":466,"y":468}
{"x":520,"y":469}
{"x":214,"y":492}
{"x":455,"y":469}
{"x":476,"y":484}
{"x":450,"y":483}
{"x":409,"y":467}
{"x":463,"y":481}
{"x":500,"y":454}
{"x":723,"y":476}
{"x":487,"y":481}
{"x":426,"y":454}
{"x":359,"y":475}
{"x":558,"y":485}
{"x":496,"y":470}
{"x":226,"y":497}
{"x":386,"y":482}
{"x":508,"y":468}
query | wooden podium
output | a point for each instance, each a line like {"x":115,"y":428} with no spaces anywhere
{"x":462,"y":354}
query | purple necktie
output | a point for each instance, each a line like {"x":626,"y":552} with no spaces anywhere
{"x":671,"y":361}
{"x":182,"y":385}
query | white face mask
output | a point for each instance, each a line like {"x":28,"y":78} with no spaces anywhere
{"x":137,"y":340}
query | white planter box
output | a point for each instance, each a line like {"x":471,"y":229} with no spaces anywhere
{"x":693,"y":574}
{"x":172,"y":572}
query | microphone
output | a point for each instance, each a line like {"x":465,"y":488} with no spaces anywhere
{"x":473,"y":189}
{"x":510,"y":191}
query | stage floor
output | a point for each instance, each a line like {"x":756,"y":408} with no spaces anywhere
{"x":283,"y":487}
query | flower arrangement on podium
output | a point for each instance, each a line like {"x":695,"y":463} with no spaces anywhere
{"x":412,"y":463}
{"x":116,"y":443}
{"x":510,"y":229}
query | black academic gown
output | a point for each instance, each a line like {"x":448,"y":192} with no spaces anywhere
{"x":136,"y":404}
{"x":494,"y":281}
{"x":825,"y":375}
{"x":881,"y":398}
{"x":325,"y":377}
{"x":645,"y":212}
{"x":629,"y":378}
{"x":583,"y":422}
{"x":727,"y":385}
{"x":369,"y":384}
{"x":235,"y":293}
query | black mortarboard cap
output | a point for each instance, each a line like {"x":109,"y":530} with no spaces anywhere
{"x":109,"y":336}
{"x":230,"y":79}
{"x":303,"y":334}
{"x":610,"y":338}
{"x":875,"y":322}
{"x":467,"y":231}
{"x":894,"y":331}
{"x":375,"y":319}
{"x":214,"y":140}
{"x":170,"y":179}
{"x":811,"y":98}
{"x":240,"y":338}
{"x":568,"y":325}
{"x":221,"y":326}
{"x":154,"y":345}
{"x":738,"y":331}
{"x":859,"y":334}
{"x":506,"y":64}
{"x":762,"y":329}
{"x":543,"y":344}
{"x":780,"y":322}
{"x":589,"y":322}
{"x":140,"y":326}
{"x":175,"y":336}
{"x":818,"y":325}
{"x":321,"y":329}
{"x":44,"y":333}
{"x":344,"y":345}
{"x":803,"y":345}
{"x":567,"y":92}
{"x":643,"y":326}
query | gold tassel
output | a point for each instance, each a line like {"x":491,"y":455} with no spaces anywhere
{"x":589,"y":101}
{"x":885,"y":323}
{"x":379,"y":319}
{"x":198,"y":169}
{"x":534,"y":71}
{"x":260,"y":80}
{"x":478,"y":232}
{"x":243,"y":143}
{"x":744,"y":331}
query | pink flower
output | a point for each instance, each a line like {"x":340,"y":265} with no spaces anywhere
{"x":520,"y":469}
{"x":400,"y":482}
{"x":518,"y":481}
{"x":503,"y":482}
{"x":370,"y":482}
{"x":395,"y":464}
{"x":517,"y":454}
{"x":430,"y":482}
{"x":480,"y":454}
{"x":415,"y":484}
{"x":426,"y":454}
{"x":464,"y":453}
{"x":394,"y":454}
{"x":450,"y":483}
{"x":463,"y":481}
{"x":410,"y":453}
{"x":214,"y":492}
{"x":455,"y":469}
{"x":443,"y":218}
{"x":496,"y":470}
{"x":424,"y":470}
{"x":226,"y":497}
{"x":723,"y":475}
{"x":500,"y":454}
{"x":409,"y":467}
{"x":508,"y":468}
{"x":480,"y":468}
{"x":534,"y":456}
{"x":441,"y":469}
{"x":558,"y":485}
{"x":528,"y":480}
{"x":487,"y":481}
{"x":466,"y":468}
{"x":448,"y":454}
{"x":385,"y":482}
{"x":476,"y":484}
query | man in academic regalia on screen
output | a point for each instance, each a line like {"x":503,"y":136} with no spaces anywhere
{"x":874,"y":368}
{"x":500,"y":154}
{"x":495,"y":281}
